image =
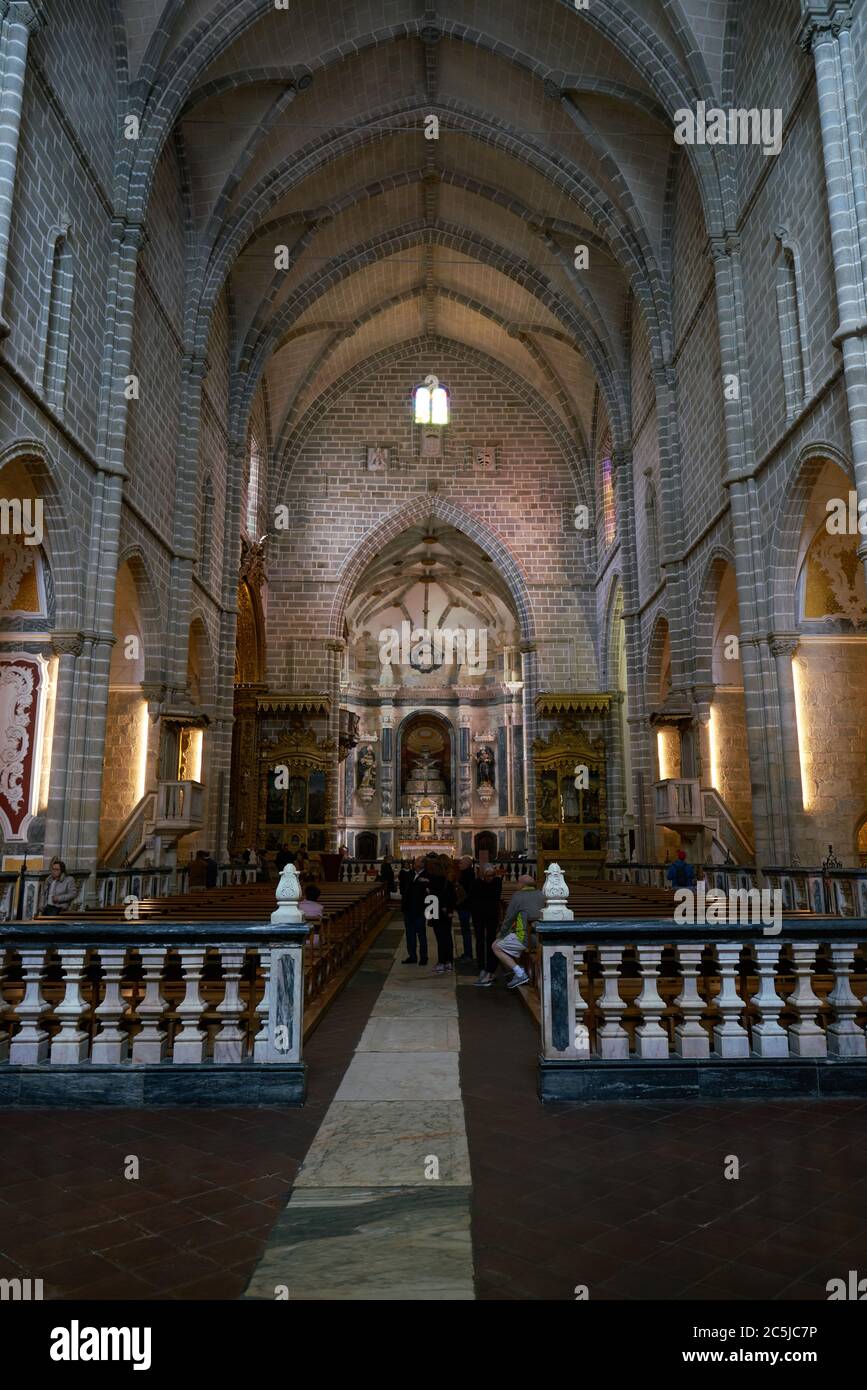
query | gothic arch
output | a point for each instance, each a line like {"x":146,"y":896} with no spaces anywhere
{"x":705,"y":613}
{"x":153,"y":628}
{"x":415,"y":512}
{"x":62,"y":544}
{"x":786,"y":539}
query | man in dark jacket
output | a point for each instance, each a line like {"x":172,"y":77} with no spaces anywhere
{"x":465,"y":884}
{"x":415,"y":895}
{"x":485,"y":905}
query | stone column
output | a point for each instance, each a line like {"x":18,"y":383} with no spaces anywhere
{"x":386,"y":761}
{"x":18,"y":20}
{"x":193,"y":370}
{"x":85,"y":769}
{"x":335,"y":647}
{"x":783,"y":647}
{"x":462,"y":794}
{"x":615,"y":777}
{"x":750,"y":541}
{"x":825,"y":32}
{"x":640,"y":733}
{"x":530,"y":675}
{"x":68,"y":646}
{"x":670,"y":515}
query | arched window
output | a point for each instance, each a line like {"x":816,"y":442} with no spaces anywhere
{"x":57,"y":317}
{"x":792,"y":326}
{"x":252,"y":509}
{"x":431,"y":405}
{"x":609,"y":507}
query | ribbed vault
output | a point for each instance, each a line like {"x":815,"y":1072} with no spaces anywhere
{"x":317,"y":203}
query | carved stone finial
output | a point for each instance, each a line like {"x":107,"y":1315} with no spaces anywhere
{"x":288,"y":898}
{"x":556,"y":894}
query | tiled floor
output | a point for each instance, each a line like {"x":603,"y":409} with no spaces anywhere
{"x":211,"y":1185}
{"x":630,"y":1200}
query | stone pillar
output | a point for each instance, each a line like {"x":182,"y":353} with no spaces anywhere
{"x":783,"y":647}
{"x":670,"y":515}
{"x":335,"y":647}
{"x":763,"y":733}
{"x":825,"y":32}
{"x":386,"y":761}
{"x":640,"y":733}
{"x":68,"y":646}
{"x":463,"y":793}
{"x":85,"y":767}
{"x":615,"y":775}
{"x":193,"y":370}
{"x":18,"y":20}
{"x":530,"y":675}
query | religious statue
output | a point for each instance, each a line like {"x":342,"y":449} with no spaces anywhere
{"x":367,"y":768}
{"x":485,"y":767}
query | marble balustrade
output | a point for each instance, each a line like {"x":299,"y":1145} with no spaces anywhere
{"x":642,"y":992}
{"x":355,"y":870}
{"x":832,"y":892}
{"x":151,"y":995}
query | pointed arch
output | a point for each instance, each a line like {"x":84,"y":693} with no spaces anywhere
{"x":412,"y":514}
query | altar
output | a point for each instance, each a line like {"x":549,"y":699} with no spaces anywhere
{"x":414,"y":849}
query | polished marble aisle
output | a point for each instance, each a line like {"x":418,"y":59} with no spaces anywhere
{"x":381,"y":1206}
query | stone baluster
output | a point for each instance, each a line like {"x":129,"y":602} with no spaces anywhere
{"x":613,"y":1038}
{"x":29,"y":1047}
{"x":149,"y":1044}
{"x":652,"y":1037}
{"x":111,"y":1044}
{"x":260,"y":1042}
{"x":189,"y":1043}
{"x":229,"y":1042}
{"x":769,"y":1036}
{"x":69,"y":1046}
{"x":582,"y":1032}
{"x":730,"y":1037}
{"x":690,"y":1038}
{"x":806,"y":1038}
{"x":844,"y":1036}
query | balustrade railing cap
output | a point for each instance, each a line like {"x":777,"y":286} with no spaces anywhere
{"x":87,"y":931}
{"x":666,"y":930}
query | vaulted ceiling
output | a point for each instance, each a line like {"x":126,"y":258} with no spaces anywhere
{"x":307,"y":128}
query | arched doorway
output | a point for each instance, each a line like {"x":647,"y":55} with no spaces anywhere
{"x":486,"y":846}
{"x":365,"y":845}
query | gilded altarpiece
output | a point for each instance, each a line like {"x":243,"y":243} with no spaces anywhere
{"x":571,"y":812}
{"x":249,"y":674}
{"x":294,"y":800}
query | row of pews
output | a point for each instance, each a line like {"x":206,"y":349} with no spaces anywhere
{"x":352,"y":913}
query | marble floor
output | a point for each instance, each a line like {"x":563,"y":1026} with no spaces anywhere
{"x":380,"y":1209}
{"x":366,"y":1192}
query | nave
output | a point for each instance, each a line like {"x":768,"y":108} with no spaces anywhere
{"x":330,"y":1201}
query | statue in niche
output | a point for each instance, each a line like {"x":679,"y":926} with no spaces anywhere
{"x":366,"y":772}
{"x":485,"y":767}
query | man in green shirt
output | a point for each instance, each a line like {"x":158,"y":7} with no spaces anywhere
{"x":513,"y":938}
